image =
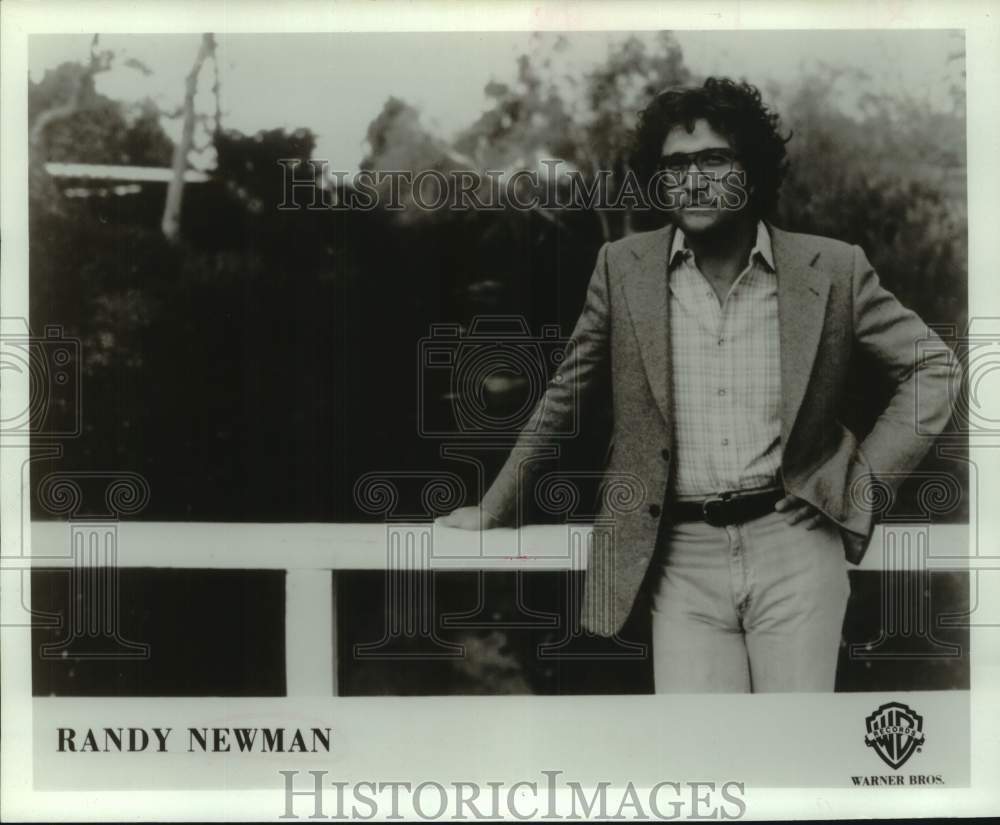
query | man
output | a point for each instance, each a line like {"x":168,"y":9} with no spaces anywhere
{"x":724,"y":346}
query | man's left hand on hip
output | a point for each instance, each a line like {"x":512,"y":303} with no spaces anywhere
{"x":797,"y":510}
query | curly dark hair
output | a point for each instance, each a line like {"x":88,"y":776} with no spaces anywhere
{"x":734,"y":110}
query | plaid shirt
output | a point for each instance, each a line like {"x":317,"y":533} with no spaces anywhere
{"x":726,"y":375}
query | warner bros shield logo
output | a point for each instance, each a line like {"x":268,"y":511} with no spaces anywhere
{"x":895,"y":732}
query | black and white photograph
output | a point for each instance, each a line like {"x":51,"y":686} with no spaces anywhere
{"x":498,"y":417}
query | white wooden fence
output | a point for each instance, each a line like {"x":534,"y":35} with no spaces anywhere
{"x":312,"y":555}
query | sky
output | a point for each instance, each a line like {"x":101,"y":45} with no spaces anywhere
{"x":336,"y":83}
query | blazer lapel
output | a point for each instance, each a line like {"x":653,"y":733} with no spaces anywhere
{"x":646,"y":293}
{"x":803,"y":288}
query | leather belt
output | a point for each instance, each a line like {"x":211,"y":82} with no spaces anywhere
{"x":727,"y":508}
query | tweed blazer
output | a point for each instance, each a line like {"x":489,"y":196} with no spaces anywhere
{"x":830,"y":305}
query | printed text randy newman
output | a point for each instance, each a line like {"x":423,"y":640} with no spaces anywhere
{"x":194,"y":740}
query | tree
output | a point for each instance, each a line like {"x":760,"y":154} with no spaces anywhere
{"x":398,"y":141}
{"x":61,"y":94}
{"x":586,"y":119}
{"x":71,"y":122}
{"x":175,"y":189}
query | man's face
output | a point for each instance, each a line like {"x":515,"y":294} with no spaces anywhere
{"x":707,"y":201}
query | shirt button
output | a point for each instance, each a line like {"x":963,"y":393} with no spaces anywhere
{"x":722,"y":341}
{"x":654,"y":510}
{"x":722,"y":392}
{"x":665,"y":453}
{"x":725,"y":442}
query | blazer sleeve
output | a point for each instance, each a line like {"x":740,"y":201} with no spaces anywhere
{"x":581,"y":380}
{"x":922,"y":368}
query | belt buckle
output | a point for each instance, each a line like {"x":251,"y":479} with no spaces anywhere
{"x":711,"y":509}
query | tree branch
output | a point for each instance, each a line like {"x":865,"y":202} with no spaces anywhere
{"x":171,"y":221}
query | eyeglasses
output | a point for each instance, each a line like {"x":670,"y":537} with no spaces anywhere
{"x":712,"y":162}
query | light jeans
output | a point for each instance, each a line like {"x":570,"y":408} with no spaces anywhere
{"x":753,"y":607}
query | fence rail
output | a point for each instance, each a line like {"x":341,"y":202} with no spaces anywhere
{"x":313,"y":554}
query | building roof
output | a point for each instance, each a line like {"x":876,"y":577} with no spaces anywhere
{"x":126,"y":173}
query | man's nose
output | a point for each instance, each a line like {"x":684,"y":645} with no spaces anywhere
{"x":692,"y":177}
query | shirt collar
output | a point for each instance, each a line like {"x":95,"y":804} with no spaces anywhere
{"x":762,"y":246}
